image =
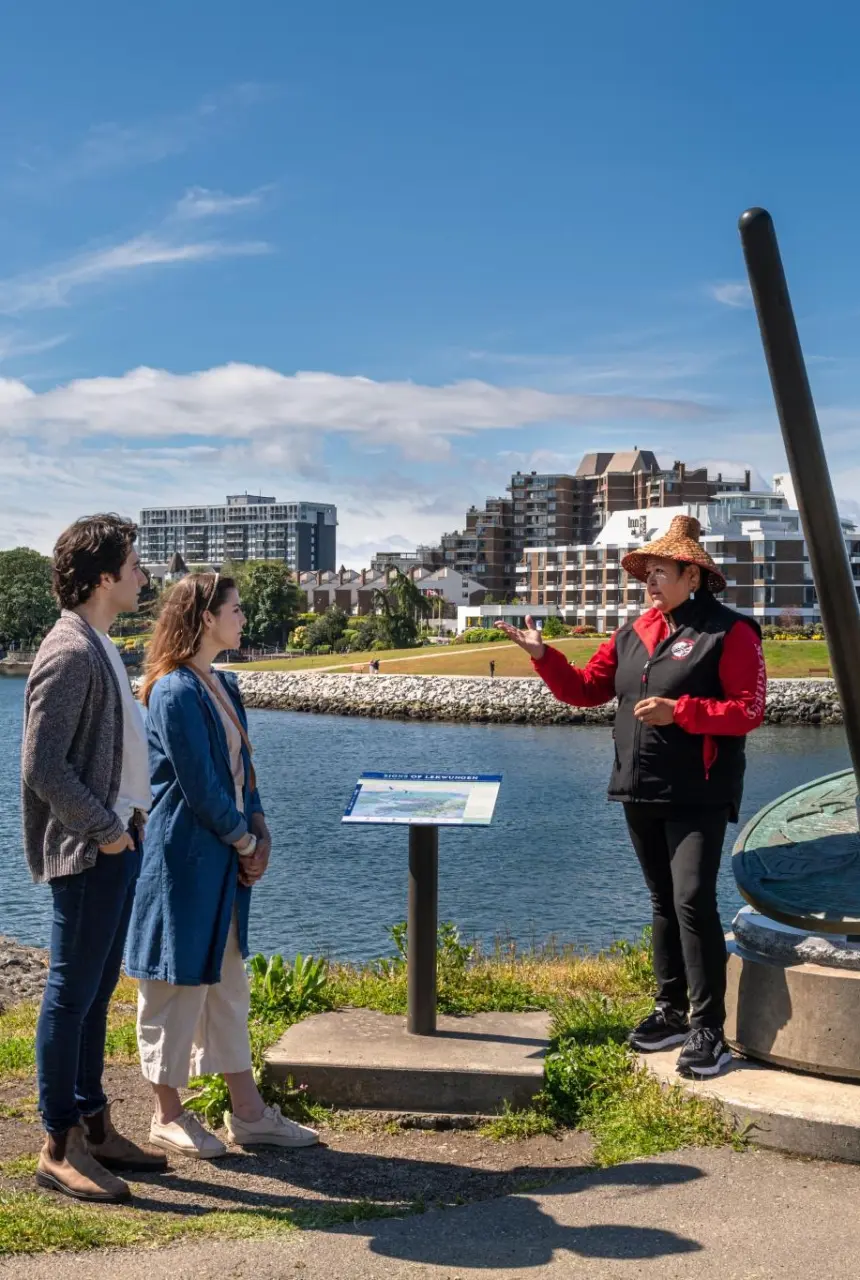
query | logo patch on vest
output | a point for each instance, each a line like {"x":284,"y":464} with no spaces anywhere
{"x":681,"y":649}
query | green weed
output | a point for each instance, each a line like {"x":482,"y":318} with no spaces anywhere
{"x":291,"y":992}
{"x":594,"y":1081}
{"x":513,"y":1126}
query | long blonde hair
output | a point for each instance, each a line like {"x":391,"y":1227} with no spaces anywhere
{"x":178,"y":632}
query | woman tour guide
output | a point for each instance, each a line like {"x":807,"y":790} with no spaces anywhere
{"x":207,"y":844}
{"x":690,"y":680}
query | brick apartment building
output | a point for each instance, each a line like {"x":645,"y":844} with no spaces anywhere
{"x":755,"y":538}
{"x":562,"y":511}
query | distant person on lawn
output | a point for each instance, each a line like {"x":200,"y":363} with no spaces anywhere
{"x":207,"y":844}
{"x":690,"y":681}
{"x":85,"y":783}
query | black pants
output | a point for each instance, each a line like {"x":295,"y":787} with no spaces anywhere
{"x":679,"y":851}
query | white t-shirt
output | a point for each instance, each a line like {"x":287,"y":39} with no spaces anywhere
{"x":134,"y":789}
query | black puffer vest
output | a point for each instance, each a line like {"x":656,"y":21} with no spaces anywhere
{"x":665,"y":764}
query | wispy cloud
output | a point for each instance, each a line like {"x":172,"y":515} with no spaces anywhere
{"x":732,"y":293}
{"x":112,"y":145}
{"x":54,"y":285}
{"x":14,"y":345}
{"x":199,"y":202}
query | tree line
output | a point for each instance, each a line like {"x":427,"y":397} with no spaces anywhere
{"x":273,"y":603}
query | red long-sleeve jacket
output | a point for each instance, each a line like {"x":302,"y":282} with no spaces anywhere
{"x":711,"y":666}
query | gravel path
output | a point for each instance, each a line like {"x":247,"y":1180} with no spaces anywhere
{"x":381,"y":1163}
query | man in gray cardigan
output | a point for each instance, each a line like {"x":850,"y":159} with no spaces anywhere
{"x":85,"y":782}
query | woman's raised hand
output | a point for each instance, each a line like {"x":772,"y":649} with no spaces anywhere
{"x":529,"y":638}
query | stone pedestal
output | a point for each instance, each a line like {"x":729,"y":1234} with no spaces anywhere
{"x":359,"y":1058}
{"x":793,"y":998}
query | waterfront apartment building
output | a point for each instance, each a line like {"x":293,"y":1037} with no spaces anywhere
{"x":245,"y":527}
{"x":545,"y":511}
{"x":755,"y":538}
{"x":565,"y":510}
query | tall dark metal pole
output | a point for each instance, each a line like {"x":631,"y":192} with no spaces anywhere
{"x":421,"y":930}
{"x":828,"y":557}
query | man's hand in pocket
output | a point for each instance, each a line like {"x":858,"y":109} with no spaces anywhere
{"x":118,"y":846}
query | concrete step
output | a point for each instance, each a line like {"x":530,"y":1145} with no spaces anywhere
{"x":359,"y":1058}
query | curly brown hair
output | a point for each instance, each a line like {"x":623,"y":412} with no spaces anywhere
{"x":90,"y":548}
{"x":179,"y":629}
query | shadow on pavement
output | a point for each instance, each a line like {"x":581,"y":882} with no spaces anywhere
{"x":523,"y":1236}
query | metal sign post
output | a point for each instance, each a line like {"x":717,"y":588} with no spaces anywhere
{"x":421,"y":929}
{"x":424,"y":802}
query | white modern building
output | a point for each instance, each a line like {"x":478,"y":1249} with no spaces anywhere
{"x":755,"y":537}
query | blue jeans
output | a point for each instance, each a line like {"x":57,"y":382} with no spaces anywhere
{"x":91,"y":915}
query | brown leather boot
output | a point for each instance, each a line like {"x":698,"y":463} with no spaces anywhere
{"x":114,"y":1151}
{"x":66,"y":1165}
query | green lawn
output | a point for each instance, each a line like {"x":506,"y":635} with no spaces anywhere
{"x":785,"y":658}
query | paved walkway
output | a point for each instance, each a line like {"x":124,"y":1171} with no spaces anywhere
{"x":699,"y":1215}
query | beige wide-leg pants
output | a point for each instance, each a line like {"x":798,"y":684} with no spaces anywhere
{"x":195,"y":1031}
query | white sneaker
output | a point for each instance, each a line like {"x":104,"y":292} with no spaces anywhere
{"x":272,"y":1130}
{"x":187,"y":1137}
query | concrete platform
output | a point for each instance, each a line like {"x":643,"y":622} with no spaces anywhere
{"x":803,"y":1114}
{"x":358,"y":1058}
{"x":802,"y":1016}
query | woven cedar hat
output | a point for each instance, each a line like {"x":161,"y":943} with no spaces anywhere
{"x":680,"y":543}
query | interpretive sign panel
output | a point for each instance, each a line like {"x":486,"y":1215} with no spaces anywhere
{"x":425,"y":799}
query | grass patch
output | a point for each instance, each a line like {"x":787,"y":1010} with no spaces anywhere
{"x":22,"y":1109}
{"x":509,"y":980}
{"x":594,"y":1082}
{"x":785,"y":659}
{"x":34,"y":1223}
{"x":19,"y":1166}
{"x":514,"y":1126}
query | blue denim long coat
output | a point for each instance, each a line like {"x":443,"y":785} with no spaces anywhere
{"x":188,"y":884}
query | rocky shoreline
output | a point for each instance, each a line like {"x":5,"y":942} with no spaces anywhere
{"x":479,"y":699}
{"x":23,"y":972}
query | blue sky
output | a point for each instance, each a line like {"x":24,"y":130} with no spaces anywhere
{"x":385,"y":254}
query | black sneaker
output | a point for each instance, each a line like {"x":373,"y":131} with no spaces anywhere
{"x":705,"y":1053}
{"x":660,"y":1030}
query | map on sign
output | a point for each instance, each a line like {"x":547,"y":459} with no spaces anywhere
{"x":425,"y":799}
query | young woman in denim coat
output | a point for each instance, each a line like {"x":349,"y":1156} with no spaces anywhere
{"x":206,"y":845}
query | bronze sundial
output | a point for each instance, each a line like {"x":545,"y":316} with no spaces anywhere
{"x":798,"y":860}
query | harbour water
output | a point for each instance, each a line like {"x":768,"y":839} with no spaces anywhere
{"x":555,"y":863}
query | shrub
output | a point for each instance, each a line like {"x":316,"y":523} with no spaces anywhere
{"x":281,"y":992}
{"x":554,"y":629}
{"x":482,"y":635}
{"x":583,"y":631}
